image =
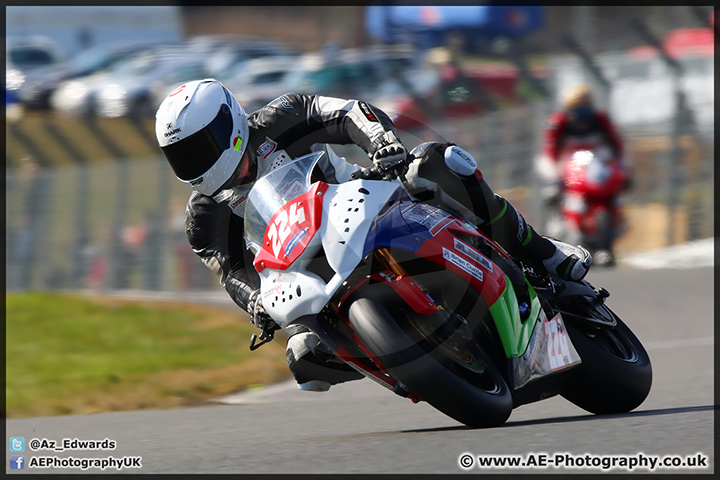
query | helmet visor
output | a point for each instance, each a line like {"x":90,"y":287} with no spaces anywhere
{"x":196,"y":154}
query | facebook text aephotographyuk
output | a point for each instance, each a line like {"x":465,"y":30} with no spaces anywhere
{"x":85,"y":463}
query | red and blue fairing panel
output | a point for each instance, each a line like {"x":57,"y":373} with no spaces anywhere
{"x":428,"y":232}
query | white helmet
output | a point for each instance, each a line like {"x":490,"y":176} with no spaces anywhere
{"x":203,"y":132}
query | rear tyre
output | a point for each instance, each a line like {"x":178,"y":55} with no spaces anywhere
{"x":615,"y":374}
{"x":453,"y":394}
{"x":604,"y":236}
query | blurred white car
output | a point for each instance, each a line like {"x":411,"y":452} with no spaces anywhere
{"x":257,"y":82}
{"x":76,"y":97}
{"x":136,"y":93}
{"x":224,"y":52}
{"x":37,"y":91}
{"x":130,"y":87}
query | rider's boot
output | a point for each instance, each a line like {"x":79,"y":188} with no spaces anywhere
{"x":314,"y":366}
{"x":447,"y":175}
{"x":511,"y":230}
{"x":568,"y":262}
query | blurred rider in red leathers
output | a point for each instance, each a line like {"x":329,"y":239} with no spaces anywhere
{"x":580,"y":122}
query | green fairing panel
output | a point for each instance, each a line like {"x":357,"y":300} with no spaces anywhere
{"x":514,"y":334}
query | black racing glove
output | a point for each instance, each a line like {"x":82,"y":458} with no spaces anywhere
{"x":387,"y":150}
{"x":258,"y":315}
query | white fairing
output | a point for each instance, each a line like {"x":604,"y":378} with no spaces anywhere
{"x":348,"y":211}
{"x":347,"y":216}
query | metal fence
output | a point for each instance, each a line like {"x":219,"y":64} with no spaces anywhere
{"x":118,"y":223}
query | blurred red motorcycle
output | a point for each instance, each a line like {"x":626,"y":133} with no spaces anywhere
{"x":591,"y":181}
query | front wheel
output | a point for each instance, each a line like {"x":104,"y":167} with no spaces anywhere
{"x":486,"y":404}
{"x":615,"y":374}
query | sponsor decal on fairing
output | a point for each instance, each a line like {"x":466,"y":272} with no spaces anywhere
{"x":463,"y":264}
{"x":472,"y":253}
{"x":431,"y":218}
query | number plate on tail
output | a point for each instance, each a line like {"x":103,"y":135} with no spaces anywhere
{"x":550,"y":350}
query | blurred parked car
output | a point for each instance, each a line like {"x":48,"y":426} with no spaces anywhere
{"x":76,"y":97}
{"x":137,"y":85}
{"x":36,"y":93}
{"x":31,"y":52}
{"x":259,"y":81}
{"x":28,"y":58}
{"x":133,"y":91}
{"x":13,"y":79}
{"x":377,"y":75}
{"x":129,"y":86}
{"x":225,"y":52}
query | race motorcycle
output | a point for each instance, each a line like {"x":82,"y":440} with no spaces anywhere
{"x":425,"y":304}
{"x":592,"y":181}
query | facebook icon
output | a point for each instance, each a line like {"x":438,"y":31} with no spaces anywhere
{"x":17,"y":462}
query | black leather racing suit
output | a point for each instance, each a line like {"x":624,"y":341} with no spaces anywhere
{"x":288,"y":127}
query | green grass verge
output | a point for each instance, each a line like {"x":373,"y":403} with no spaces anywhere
{"x":71,"y":354}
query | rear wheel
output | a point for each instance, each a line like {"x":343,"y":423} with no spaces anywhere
{"x":604,"y":230}
{"x":604,"y":236}
{"x":475,"y":395}
{"x":615,"y":374}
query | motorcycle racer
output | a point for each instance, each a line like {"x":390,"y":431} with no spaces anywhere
{"x":577,"y":125}
{"x":219,"y":151}
{"x":578,"y":121}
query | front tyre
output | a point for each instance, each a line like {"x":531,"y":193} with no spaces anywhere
{"x":615,"y":374}
{"x":455,"y":396}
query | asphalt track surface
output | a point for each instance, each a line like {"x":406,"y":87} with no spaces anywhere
{"x":362,"y":428}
